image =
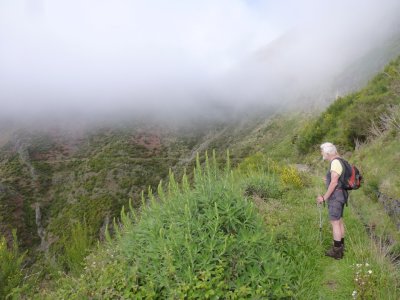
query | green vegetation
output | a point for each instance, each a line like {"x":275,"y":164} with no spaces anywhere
{"x":75,"y":247}
{"x":193,"y":242}
{"x":229,"y":236}
{"x":11,"y":273}
{"x":348,"y":120}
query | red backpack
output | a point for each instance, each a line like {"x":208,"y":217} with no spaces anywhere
{"x":351,"y":176}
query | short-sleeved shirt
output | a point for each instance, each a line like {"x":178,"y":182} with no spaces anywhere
{"x":336,"y":166}
{"x":339,"y":196}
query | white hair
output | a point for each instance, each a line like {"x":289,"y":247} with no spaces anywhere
{"x":329,"y":148}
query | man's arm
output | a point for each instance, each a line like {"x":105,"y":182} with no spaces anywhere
{"x":334,"y":182}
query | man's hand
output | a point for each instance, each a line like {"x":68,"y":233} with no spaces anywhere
{"x":320,"y":199}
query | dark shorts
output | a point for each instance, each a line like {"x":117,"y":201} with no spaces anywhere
{"x":336,"y":204}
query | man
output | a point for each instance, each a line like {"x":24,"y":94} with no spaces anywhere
{"x":336,"y":198}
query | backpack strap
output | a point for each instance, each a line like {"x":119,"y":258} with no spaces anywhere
{"x":341,"y":179}
{"x":344,"y":169}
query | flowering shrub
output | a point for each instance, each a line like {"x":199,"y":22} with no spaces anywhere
{"x":364,"y":282}
{"x":290,"y":176}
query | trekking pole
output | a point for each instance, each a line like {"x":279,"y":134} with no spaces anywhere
{"x":320,"y":221}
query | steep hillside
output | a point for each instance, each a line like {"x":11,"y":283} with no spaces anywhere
{"x":51,"y":179}
{"x":239,"y":227}
{"x":349,"y":120}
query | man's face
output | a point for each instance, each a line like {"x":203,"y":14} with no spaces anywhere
{"x":324,"y":155}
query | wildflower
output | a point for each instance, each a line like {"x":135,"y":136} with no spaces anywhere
{"x":358,"y":265}
{"x":367,"y":264}
{"x":354,"y":293}
{"x":369,"y":271}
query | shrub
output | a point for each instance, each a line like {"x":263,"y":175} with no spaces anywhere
{"x":253,"y":163}
{"x":291,"y":177}
{"x":267,"y":186}
{"x":310,"y":135}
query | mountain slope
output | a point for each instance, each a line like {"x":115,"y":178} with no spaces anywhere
{"x":188,"y":239}
{"x":55,"y":178}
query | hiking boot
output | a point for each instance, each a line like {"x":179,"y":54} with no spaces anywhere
{"x":335,"y":252}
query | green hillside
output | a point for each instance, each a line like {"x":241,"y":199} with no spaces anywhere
{"x":240,"y":226}
{"x":52,"y":181}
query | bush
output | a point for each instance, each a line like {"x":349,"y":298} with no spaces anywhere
{"x":291,"y":177}
{"x":265,"y":187}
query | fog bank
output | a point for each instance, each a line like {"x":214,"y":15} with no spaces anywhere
{"x":177,"y":58}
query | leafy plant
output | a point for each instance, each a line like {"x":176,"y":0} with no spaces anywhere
{"x":76,"y":245}
{"x":11,"y":273}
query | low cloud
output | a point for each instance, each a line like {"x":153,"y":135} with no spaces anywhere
{"x":97,"y":58}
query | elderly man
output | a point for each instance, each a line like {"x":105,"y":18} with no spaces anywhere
{"x":336,"y":197}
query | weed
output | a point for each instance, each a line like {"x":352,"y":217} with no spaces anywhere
{"x":364,"y":282}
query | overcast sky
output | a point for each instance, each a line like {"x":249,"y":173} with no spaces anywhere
{"x":97,"y":56}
